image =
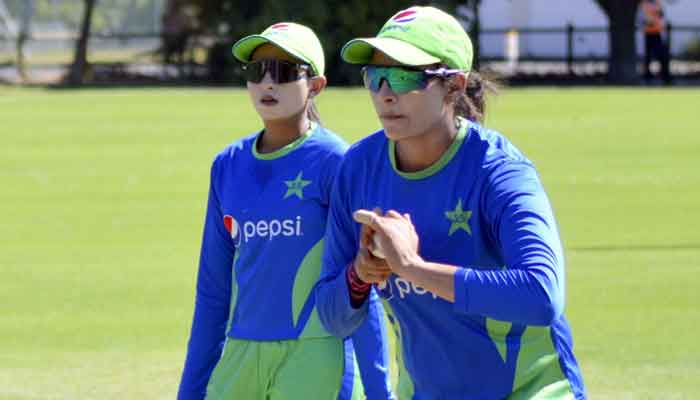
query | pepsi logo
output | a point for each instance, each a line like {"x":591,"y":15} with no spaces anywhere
{"x":231,"y":225}
{"x":405,"y":16}
{"x":280,"y":27}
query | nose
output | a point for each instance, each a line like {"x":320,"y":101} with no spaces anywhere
{"x":267,"y":81}
{"x":385,"y":93}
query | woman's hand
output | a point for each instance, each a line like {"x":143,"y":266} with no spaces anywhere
{"x":396,"y":236}
{"x":369,"y":269}
{"x":398,"y":240}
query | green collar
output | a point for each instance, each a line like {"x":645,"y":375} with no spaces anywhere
{"x":284,"y":150}
{"x":439,"y":164}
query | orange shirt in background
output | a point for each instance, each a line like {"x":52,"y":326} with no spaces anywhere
{"x":653,"y":17}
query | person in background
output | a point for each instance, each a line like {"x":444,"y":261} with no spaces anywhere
{"x":655,"y":45}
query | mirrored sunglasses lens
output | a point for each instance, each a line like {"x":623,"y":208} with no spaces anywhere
{"x":372,"y":78}
{"x":399,"y":80}
{"x":366,"y":80}
{"x":403,"y":81}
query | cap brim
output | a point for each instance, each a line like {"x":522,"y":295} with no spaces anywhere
{"x":244,"y":48}
{"x":359,"y":51}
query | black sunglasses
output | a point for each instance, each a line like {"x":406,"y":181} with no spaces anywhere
{"x":280,"y":71}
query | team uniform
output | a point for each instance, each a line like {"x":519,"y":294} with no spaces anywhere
{"x":480,"y":207}
{"x":255,"y":318}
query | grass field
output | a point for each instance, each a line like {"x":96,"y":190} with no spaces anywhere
{"x":102,"y":200}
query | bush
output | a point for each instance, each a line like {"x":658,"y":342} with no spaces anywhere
{"x":334,"y":21}
{"x":692,"y":49}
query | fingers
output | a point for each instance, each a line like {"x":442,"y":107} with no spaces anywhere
{"x":394,"y":214}
{"x":366,"y":236}
{"x":371,"y":262}
{"x":376,"y":278}
{"x":370,"y":219}
{"x":369,"y":268}
{"x":397,"y":215}
{"x":365,"y":217}
{"x":392,"y":221}
{"x":373,"y":276}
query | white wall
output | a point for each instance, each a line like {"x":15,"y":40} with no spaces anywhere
{"x":505,"y":14}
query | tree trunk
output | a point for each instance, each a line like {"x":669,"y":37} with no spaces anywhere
{"x":77,"y":70}
{"x":22,"y":37}
{"x":622,"y":62}
{"x":476,"y":29}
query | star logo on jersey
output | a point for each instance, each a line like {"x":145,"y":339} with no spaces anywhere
{"x":296,"y":186}
{"x":459,"y":219}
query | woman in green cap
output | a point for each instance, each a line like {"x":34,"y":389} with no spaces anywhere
{"x":466,"y":253}
{"x":255,"y":332}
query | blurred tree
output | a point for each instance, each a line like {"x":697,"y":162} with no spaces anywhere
{"x":335,"y":22}
{"x":77,"y":69}
{"x":111,"y":16}
{"x":65,"y":12}
{"x":623,"y":46}
{"x":11,"y":29}
{"x":23,"y":35}
{"x":475,"y":29}
{"x":125,"y":16}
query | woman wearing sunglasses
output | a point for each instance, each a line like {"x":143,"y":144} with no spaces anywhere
{"x":466,"y":251}
{"x":255,"y":332}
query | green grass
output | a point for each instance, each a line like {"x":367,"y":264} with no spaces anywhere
{"x":103,"y":196}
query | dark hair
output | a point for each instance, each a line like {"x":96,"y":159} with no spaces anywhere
{"x":471,"y":104}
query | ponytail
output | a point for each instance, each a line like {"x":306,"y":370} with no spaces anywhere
{"x":471,"y":104}
{"x":312,"y":112}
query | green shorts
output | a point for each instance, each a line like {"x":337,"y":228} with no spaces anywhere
{"x":281,"y":370}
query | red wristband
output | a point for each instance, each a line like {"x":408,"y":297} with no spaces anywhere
{"x":359,"y":289}
{"x":355,"y":281}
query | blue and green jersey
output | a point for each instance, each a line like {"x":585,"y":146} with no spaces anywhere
{"x":481,"y":207}
{"x":261,"y":253}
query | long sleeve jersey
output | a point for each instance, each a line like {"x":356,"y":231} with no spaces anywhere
{"x":261,"y":256}
{"x":482,"y":208}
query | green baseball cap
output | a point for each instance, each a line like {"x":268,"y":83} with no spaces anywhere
{"x":416,"y":36}
{"x":297,"y":40}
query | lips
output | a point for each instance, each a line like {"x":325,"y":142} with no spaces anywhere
{"x":391,"y":117}
{"x":269,"y":101}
